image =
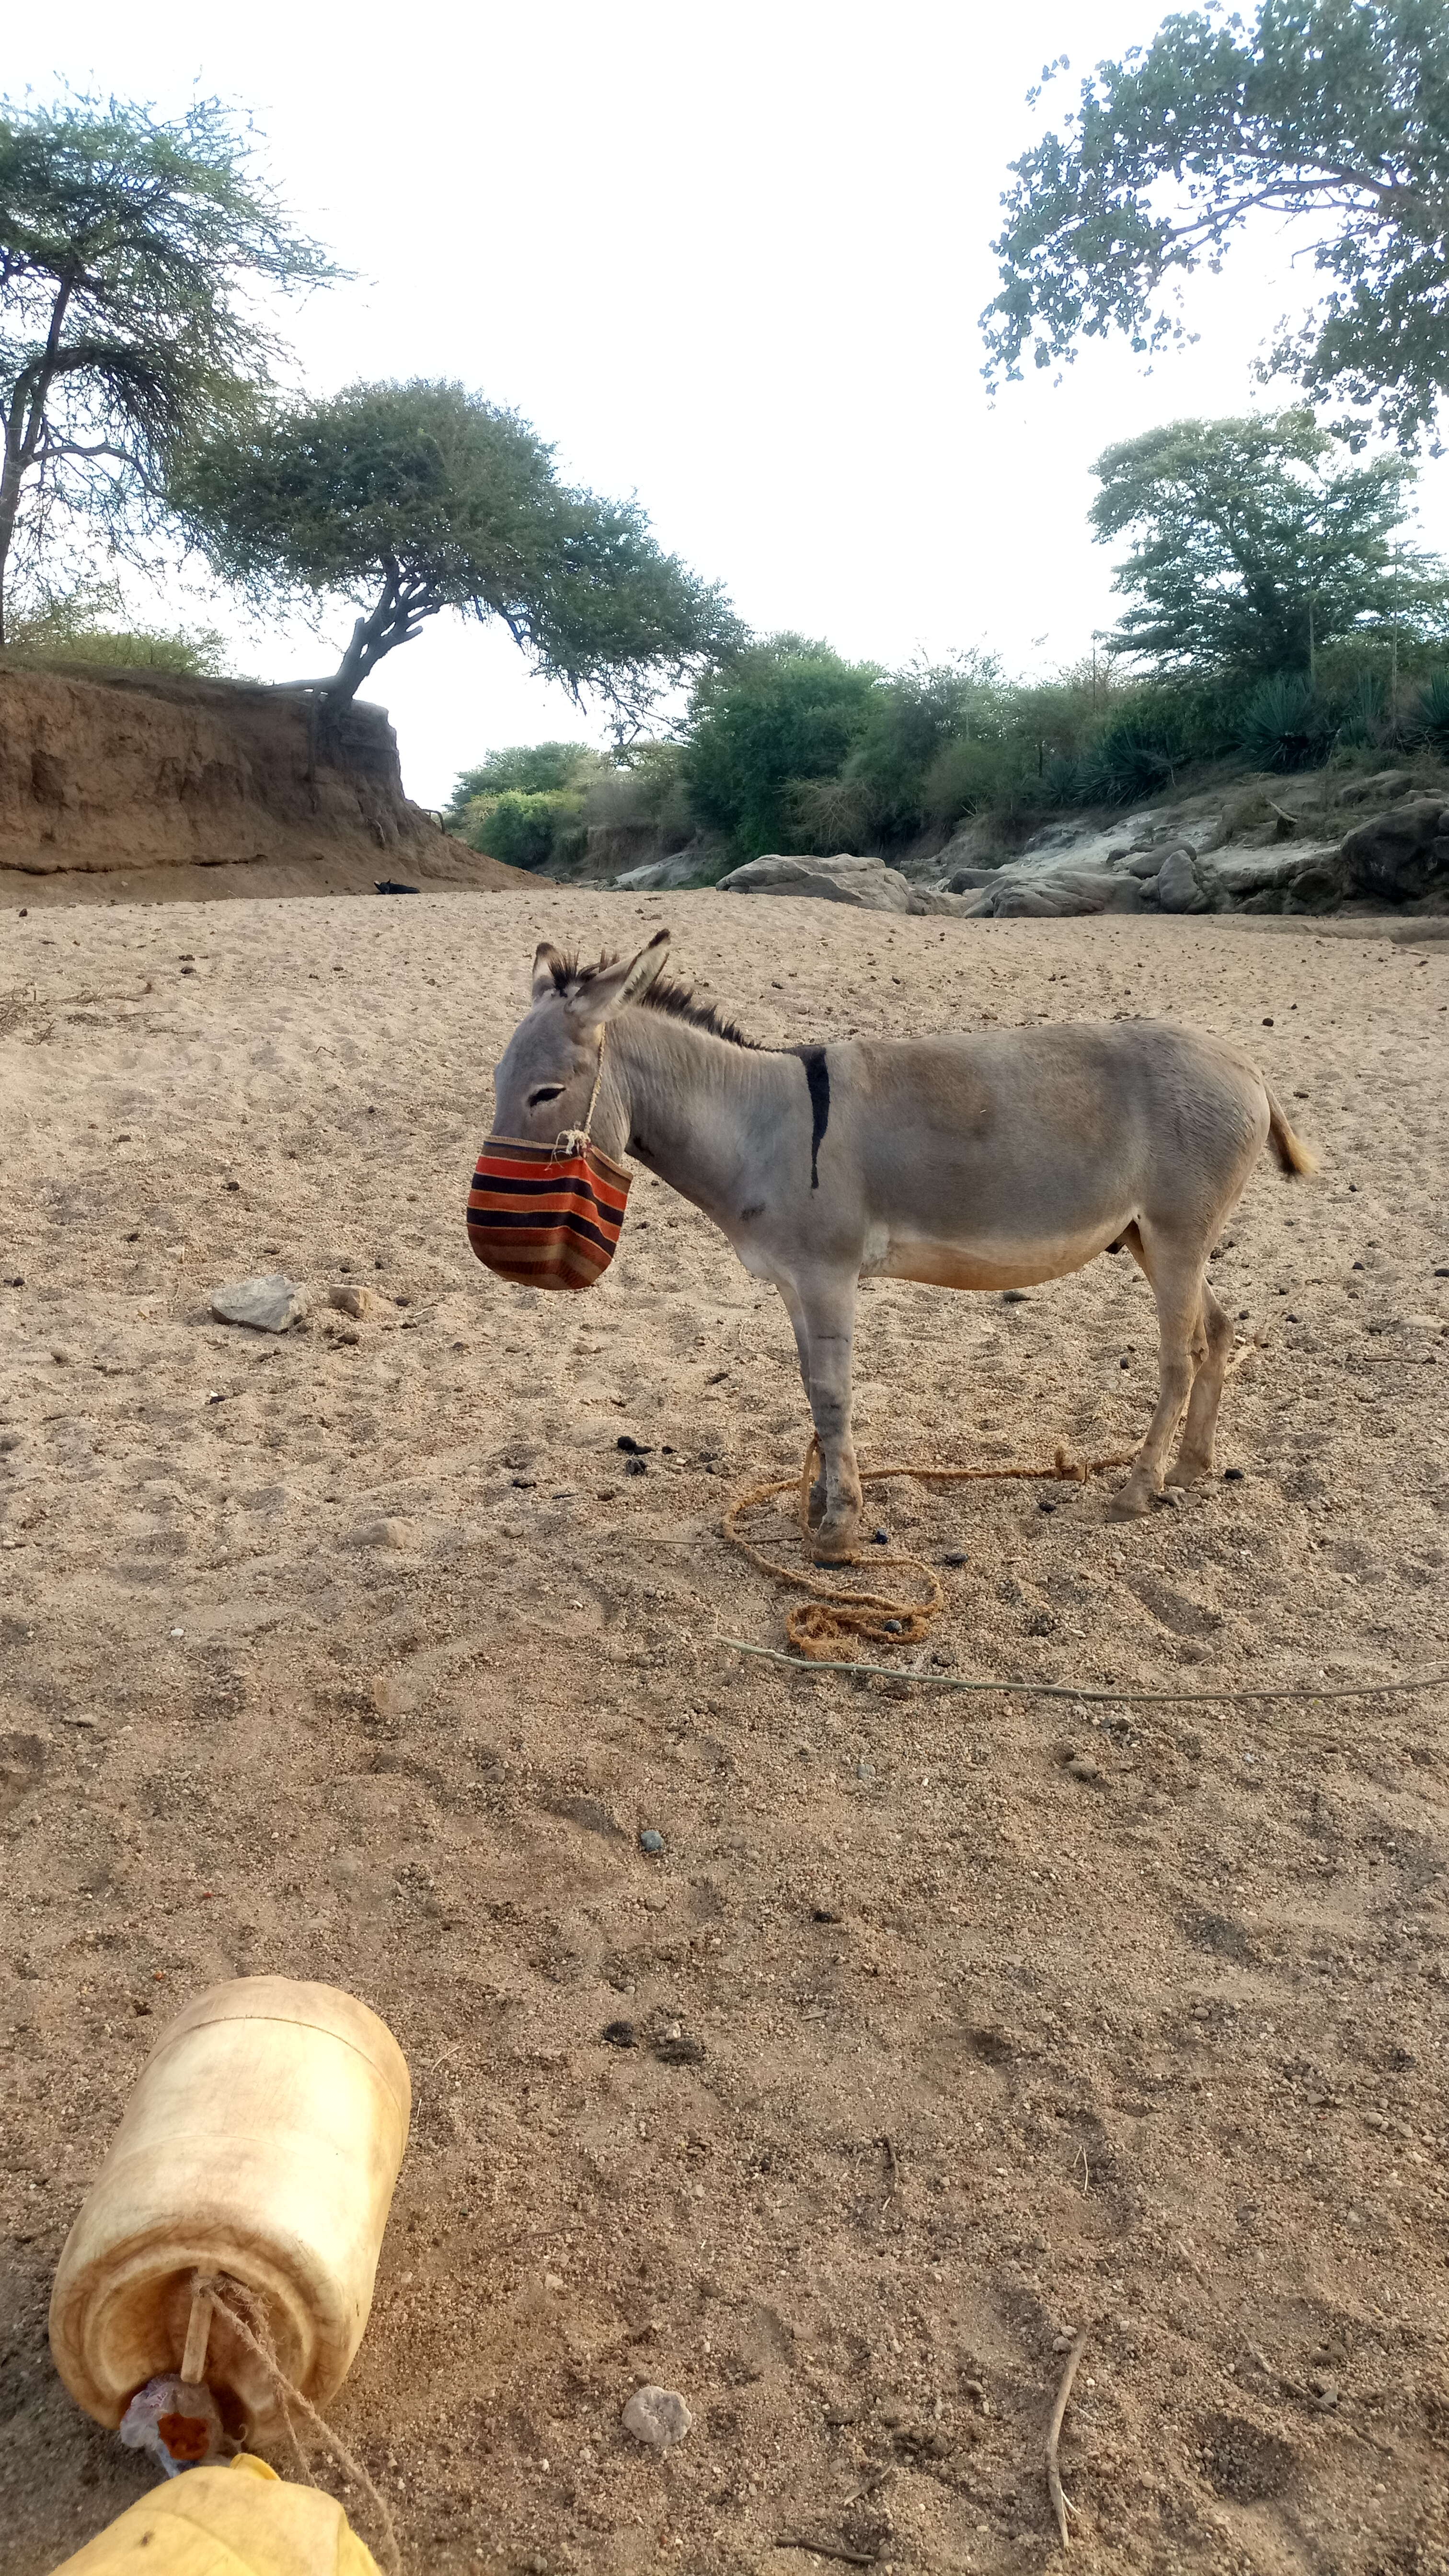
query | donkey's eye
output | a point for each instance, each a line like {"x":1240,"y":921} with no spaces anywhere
{"x":550,"y":1091}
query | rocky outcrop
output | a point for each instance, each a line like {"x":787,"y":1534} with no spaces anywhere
{"x":868,"y":884}
{"x":138,"y":771}
{"x":1268,"y":850}
{"x":1401,"y":856}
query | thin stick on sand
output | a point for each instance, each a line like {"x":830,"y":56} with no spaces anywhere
{"x":829,"y":2549}
{"x":1060,"y":2506}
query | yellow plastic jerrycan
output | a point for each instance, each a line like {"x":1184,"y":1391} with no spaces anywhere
{"x":262,"y":2141}
{"x":239,"y":2521}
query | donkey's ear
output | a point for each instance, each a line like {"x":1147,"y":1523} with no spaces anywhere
{"x":548,"y":971}
{"x":626,"y":979}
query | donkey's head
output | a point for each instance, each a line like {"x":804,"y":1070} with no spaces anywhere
{"x":545,"y":1077}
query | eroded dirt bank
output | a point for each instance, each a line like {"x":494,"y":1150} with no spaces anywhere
{"x":359,"y":1656}
{"x":108,"y":785}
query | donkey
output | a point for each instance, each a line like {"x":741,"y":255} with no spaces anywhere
{"x":988,"y":1161}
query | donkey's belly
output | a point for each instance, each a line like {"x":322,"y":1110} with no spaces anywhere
{"x":984,"y":1264}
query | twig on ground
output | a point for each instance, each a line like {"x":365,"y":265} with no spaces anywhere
{"x":1079,"y":1690}
{"x":1060,"y":2506}
{"x":829,"y":2549}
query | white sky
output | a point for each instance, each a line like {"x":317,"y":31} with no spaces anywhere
{"x":729,"y":258}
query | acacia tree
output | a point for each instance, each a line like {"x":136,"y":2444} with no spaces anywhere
{"x":1255,"y":546}
{"x":411,"y":498}
{"x":130,"y":254}
{"x":1334,"y":111}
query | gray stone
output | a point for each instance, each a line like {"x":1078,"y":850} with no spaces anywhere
{"x":1178,"y":888}
{"x":657,"y":2417}
{"x":866,"y":883}
{"x":1400,"y":857}
{"x":660,"y":875}
{"x":1381,"y":789}
{"x":269,"y":1305}
{"x":1144,"y":863}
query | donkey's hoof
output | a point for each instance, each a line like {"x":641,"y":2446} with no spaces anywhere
{"x":1189,"y":1471}
{"x":835,"y":1547}
{"x":1130,"y":1505}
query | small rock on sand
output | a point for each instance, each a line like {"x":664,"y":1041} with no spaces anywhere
{"x":269,"y":1305}
{"x":657,"y":2416}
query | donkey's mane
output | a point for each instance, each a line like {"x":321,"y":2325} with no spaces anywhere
{"x":668,"y":993}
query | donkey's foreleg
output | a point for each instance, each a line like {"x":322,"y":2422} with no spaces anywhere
{"x":1176,"y":1273}
{"x":826,"y":1343}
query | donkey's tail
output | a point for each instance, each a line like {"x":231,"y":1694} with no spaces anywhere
{"x":1291,"y":1151}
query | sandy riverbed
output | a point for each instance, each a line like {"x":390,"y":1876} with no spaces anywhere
{"x":989,"y":2050}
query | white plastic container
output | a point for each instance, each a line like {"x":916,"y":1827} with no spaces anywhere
{"x":262,"y":2141}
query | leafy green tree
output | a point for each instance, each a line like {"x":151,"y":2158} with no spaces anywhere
{"x":1332,"y":111}
{"x":783,"y":711}
{"x":909,"y":721}
{"x":411,"y":498}
{"x":131,"y":254}
{"x":1253,"y":548}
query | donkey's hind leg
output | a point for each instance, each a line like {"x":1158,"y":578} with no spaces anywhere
{"x":1175,"y":1271}
{"x":1195,"y":1450}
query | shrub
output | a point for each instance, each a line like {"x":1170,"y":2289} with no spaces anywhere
{"x":1285,"y":724}
{"x":1126,"y":763}
{"x":966,"y":777}
{"x":832,"y":814}
{"x":70,"y":630}
{"x":1430,"y":720}
{"x":524,"y":831}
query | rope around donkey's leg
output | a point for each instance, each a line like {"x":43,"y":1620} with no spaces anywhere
{"x":833,"y":1612}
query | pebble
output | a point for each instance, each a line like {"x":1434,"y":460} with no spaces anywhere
{"x":1082,"y":1767}
{"x":633,"y":1448}
{"x":865,"y":1770}
{"x":636,"y":1467}
{"x":955,"y":1556}
{"x":352,"y":1300}
{"x":269,"y":1305}
{"x":657,"y":2417}
{"x":620,"y":2034}
{"x":1233,"y":1476}
{"x":650,"y":1840}
{"x":880,"y":1538}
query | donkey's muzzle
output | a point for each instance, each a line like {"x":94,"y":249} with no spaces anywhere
{"x":543,"y":1218}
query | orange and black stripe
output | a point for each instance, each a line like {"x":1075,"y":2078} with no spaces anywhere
{"x":544,"y":1219}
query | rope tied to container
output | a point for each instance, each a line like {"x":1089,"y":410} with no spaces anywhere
{"x":246,"y":2316}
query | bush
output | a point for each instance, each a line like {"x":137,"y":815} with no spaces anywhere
{"x":1285,"y":723}
{"x":1430,"y":721}
{"x":69,"y":630}
{"x":1126,"y":763}
{"x":967,"y":777}
{"x":524,"y":831}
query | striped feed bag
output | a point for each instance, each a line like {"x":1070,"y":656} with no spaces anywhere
{"x":545,"y":1219}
